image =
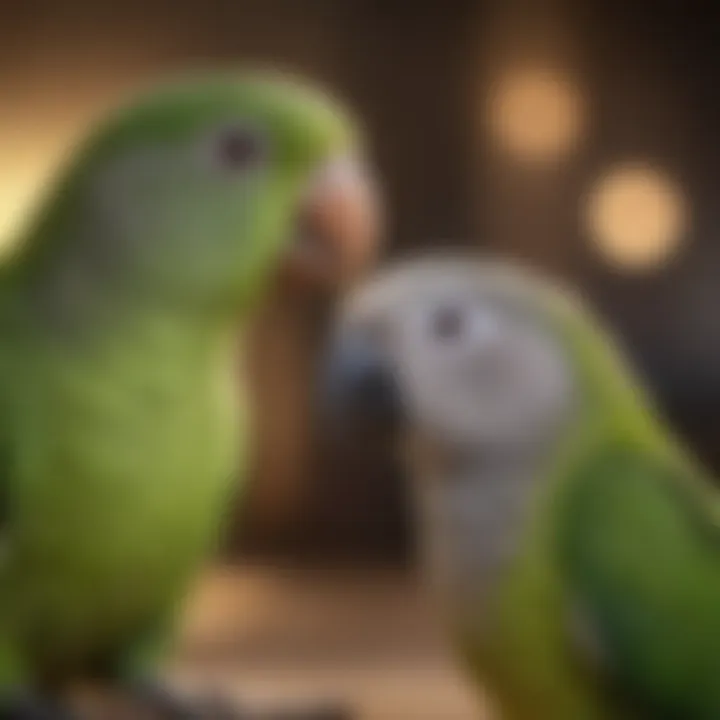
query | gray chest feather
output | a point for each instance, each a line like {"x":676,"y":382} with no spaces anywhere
{"x":472,"y":523}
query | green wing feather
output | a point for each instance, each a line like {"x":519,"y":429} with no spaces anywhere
{"x":640,"y":554}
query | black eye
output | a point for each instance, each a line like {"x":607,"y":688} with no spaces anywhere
{"x":447,"y":323}
{"x":239,"y":148}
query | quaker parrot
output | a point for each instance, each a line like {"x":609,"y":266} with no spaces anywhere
{"x":123,"y":426}
{"x":572,"y":543}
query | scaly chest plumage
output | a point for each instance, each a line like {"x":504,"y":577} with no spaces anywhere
{"x":126,"y":463}
{"x":490,"y":562}
{"x":473,"y":519}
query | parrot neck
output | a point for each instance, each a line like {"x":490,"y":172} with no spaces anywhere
{"x":70,"y":302}
{"x":472,"y":511}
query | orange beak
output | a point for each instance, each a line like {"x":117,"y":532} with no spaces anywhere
{"x":338,"y":227}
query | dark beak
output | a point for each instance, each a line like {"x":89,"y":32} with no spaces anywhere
{"x":359,"y":389}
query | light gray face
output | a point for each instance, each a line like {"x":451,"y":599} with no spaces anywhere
{"x":468,"y":351}
{"x":474,"y":362}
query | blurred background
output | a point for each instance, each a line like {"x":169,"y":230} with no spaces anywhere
{"x":581,"y":135}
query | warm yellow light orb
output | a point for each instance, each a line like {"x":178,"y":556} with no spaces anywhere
{"x":637,"y":217}
{"x":535,"y":114}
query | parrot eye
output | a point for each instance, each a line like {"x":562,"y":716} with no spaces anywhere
{"x":239,"y":148}
{"x":447,"y":323}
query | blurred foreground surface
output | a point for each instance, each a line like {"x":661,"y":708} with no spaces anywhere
{"x":368,"y":638}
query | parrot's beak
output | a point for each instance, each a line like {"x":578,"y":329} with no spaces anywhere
{"x":338,"y":226}
{"x":359,"y":389}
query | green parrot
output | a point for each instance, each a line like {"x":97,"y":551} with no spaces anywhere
{"x":123,"y":423}
{"x":572,"y":544}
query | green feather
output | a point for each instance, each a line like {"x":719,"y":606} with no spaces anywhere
{"x":624,"y":532}
{"x":122,"y":425}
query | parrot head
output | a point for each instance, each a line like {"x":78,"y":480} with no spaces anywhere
{"x":465,"y":353}
{"x":488,"y":378}
{"x":203,"y":187}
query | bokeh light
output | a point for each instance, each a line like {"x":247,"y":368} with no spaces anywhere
{"x":637,"y":217}
{"x":536,"y":114}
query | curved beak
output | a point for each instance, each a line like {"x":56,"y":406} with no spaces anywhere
{"x":338,"y":227}
{"x":358,"y":387}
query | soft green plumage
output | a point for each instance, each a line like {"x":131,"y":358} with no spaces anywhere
{"x":625,"y":535}
{"x":122,"y":426}
{"x":601,"y":597}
